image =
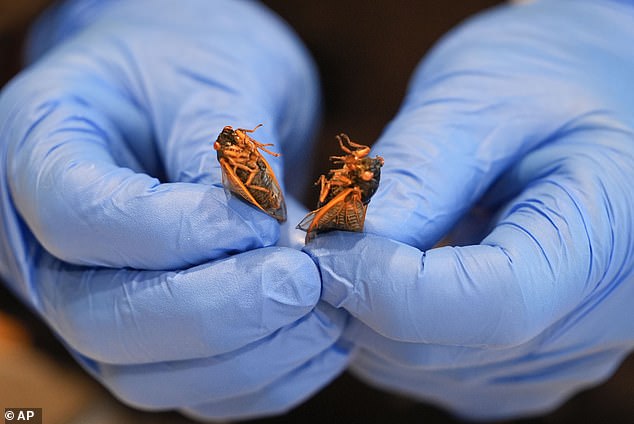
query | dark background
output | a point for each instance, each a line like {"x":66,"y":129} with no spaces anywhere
{"x":365,"y":52}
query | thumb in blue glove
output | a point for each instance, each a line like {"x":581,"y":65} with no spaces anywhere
{"x":116,"y":227}
{"x":536,"y":129}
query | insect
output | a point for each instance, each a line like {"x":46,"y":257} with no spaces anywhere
{"x":247,"y":174}
{"x":345,"y":194}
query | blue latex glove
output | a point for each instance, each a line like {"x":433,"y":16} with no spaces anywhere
{"x":526,"y":112}
{"x":164,"y":289}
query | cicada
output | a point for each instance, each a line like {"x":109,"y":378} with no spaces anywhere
{"x":345,"y":194}
{"x":247,"y":174}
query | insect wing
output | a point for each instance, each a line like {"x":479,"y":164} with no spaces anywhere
{"x":272,"y":202}
{"x":305,"y":223}
{"x":235,"y":185}
{"x":347,"y":214}
{"x":344,"y":212}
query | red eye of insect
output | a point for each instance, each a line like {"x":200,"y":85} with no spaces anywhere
{"x":367,"y":176}
{"x":216,"y":146}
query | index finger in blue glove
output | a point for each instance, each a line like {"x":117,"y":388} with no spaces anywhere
{"x":144,"y":224}
{"x":122,"y":316}
{"x":63,"y":174}
{"x":552,"y":246}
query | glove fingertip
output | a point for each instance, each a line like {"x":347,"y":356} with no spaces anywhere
{"x":329,"y":254}
{"x":260,"y":226}
{"x":290,"y":280}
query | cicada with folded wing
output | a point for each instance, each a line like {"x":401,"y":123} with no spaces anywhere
{"x":247,"y":174}
{"x":345,"y":194}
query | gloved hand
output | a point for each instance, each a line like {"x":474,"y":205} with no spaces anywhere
{"x":526,"y":115}
{"x":116,"y":227}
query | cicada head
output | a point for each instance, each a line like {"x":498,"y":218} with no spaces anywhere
{"x":368,"y":176}
{"x":226,"y":139}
